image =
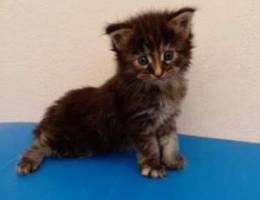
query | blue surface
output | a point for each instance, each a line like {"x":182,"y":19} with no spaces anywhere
{"x":216,"y":169}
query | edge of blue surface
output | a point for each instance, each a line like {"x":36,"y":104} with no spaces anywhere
{"x":10,"y":124}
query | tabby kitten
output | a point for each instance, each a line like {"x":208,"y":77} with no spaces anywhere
{"x":136,"y":108}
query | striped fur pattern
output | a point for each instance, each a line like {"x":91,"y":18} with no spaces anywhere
{"x":136,"y":108}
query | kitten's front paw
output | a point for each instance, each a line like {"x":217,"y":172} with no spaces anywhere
{"x":154,"y":172}
{"x":26,"y":166}
{"x":177,"y":163}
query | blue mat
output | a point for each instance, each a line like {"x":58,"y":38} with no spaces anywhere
{"x":216,"y":169}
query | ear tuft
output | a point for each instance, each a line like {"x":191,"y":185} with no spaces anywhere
{"x":181,"y":20}
{"x":120,"y":34}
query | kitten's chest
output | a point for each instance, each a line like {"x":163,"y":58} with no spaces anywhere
{"x":165,"y":112}
{"x":158,"y":114}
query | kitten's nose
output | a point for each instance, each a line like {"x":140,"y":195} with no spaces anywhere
{"x":158,"y":72}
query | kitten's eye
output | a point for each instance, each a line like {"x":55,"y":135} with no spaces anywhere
{"x":168,"y":56}
{"x":143,"y":60}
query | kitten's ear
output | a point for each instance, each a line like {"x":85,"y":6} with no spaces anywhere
{"x":120,"y":34}
{"x":180,"y":21}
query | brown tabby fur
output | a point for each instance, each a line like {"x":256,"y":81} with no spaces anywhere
{"x":137,"y":107}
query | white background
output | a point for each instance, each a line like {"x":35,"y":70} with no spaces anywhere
{"x":48,"y":47}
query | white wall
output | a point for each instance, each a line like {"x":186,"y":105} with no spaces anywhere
{"x":48,"y":47}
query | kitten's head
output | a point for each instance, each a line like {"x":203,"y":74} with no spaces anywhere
{"x":153,"y":46}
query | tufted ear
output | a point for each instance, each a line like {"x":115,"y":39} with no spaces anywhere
{"x":120,"y":34}
{"x":181,"y":20}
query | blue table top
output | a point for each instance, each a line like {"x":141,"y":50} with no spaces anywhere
{"x":216,"y":169}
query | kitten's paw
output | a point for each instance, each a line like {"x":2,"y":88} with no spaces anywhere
{"x":153,"y":172}
{"x":26,"y":166}
{"x":177,"y":163}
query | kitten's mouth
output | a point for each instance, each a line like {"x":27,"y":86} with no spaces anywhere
{"x":162,"y":80}
{"x":163,"y":77}
{"x":167,"y":75}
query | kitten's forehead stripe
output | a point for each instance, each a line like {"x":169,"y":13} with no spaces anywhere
{"x":157,"y":68}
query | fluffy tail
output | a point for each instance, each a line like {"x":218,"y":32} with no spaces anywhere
{"x":32,"y":158}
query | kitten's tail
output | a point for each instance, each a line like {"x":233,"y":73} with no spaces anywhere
{"x":32,"y":158}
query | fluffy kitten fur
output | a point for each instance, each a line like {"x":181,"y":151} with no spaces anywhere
{"x":137,"y":107}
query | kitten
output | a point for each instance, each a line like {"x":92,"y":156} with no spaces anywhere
{"x":136,"y":108}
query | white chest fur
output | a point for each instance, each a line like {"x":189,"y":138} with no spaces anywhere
{"x":166,"y":110}
{"x":163,"y":113}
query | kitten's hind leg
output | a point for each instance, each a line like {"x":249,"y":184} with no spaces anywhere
{"x":32,"y":158}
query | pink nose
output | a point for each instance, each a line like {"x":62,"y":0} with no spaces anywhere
{"x":158,"y":72}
